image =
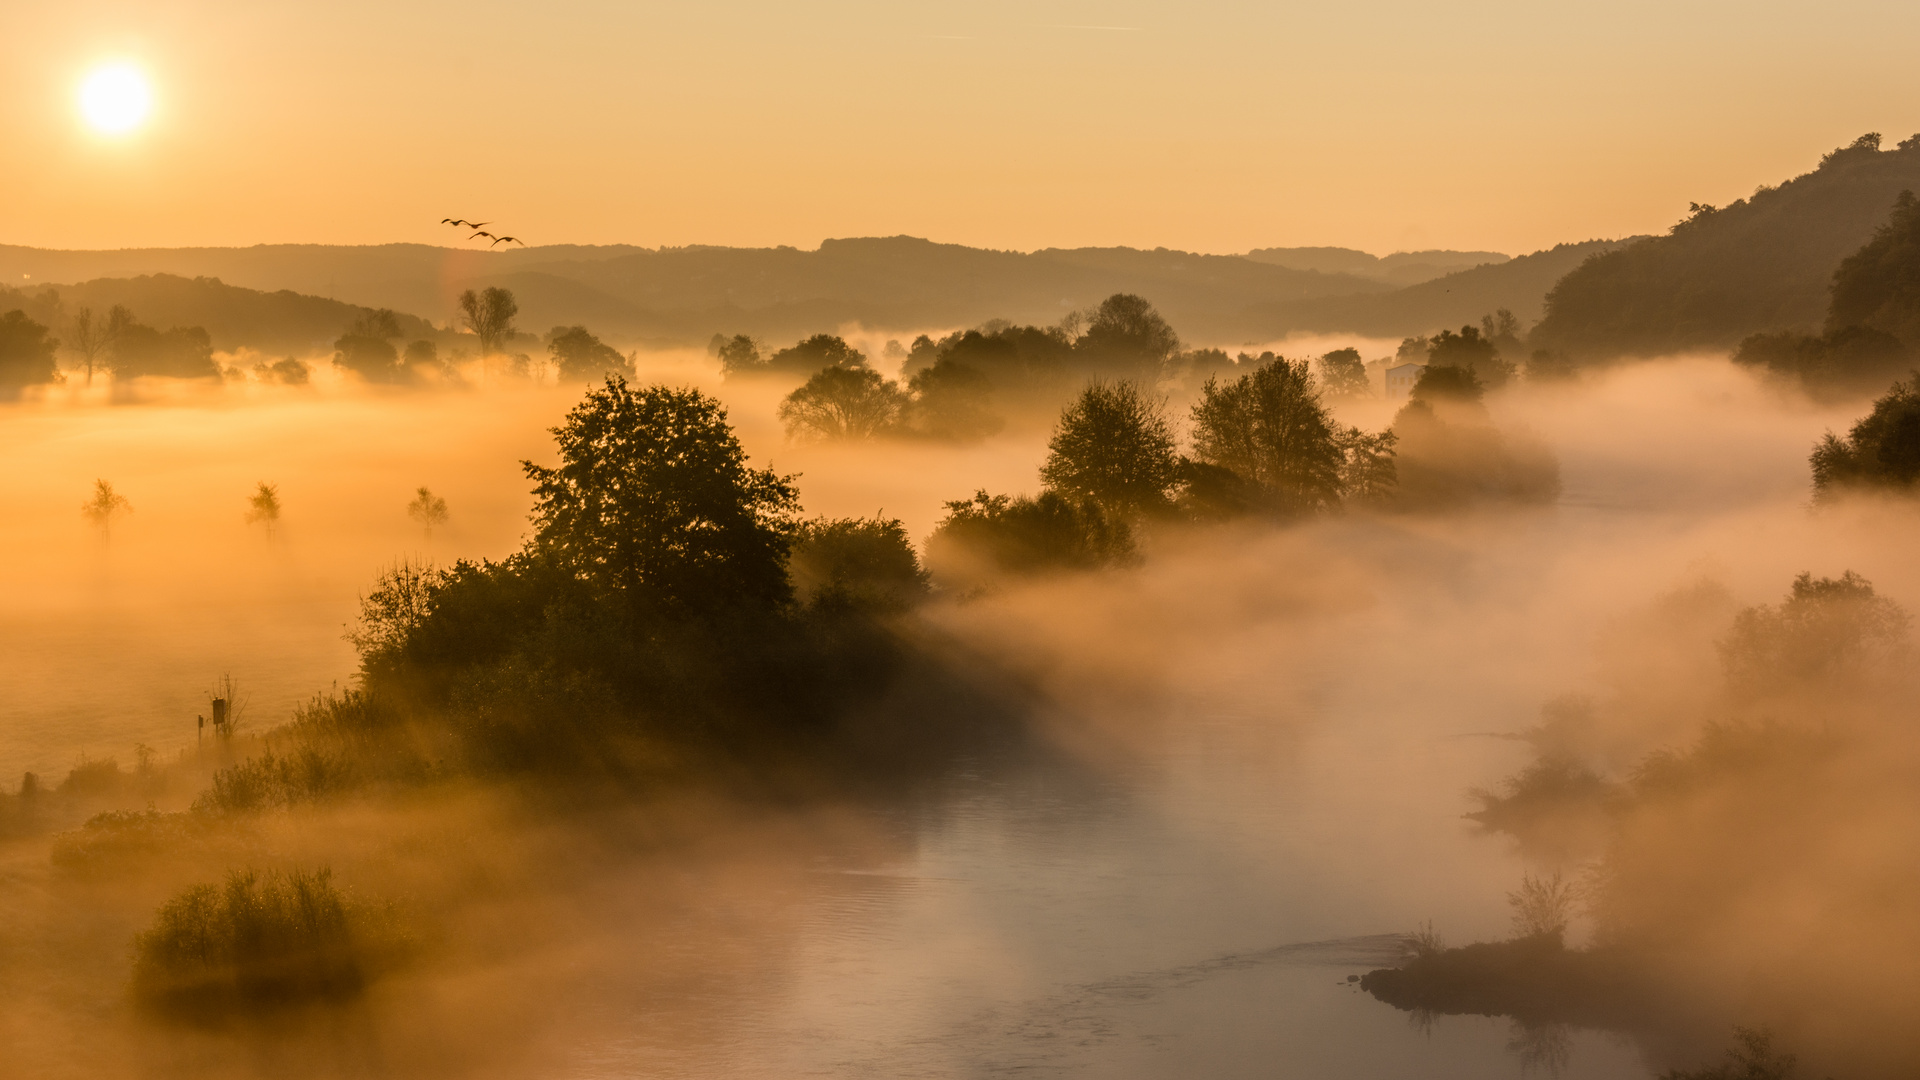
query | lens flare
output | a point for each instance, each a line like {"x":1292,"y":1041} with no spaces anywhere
{"x":115,"y":99}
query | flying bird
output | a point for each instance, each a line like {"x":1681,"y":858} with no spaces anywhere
{"x":506,"y":239}
{"x":478,"y":235}
{"x":463,"y":223}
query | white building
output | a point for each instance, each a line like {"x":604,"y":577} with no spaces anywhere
{"x":1400,"y":380}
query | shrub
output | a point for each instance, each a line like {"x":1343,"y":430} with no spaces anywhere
{"x":1882,"y":451}
{"x":261,"y":940}
{"x":1027,"y":535}
{"x":862,"y":564}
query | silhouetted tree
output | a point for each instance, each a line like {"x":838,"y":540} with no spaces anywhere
{"x":1881,"y":451}
{"x":1022,"y":535}
{"x":580,"y":355}
{"x":366,"y":348}
{"x":816,"y":352}
{"x":1128,"y":339}
{"x":183,"y":352}
{"x":1368,"y":472}
{"x":92,"y":338}
{"x":1344,"y":375}
{"x":864,"y":564}
{"x":1469,"y":350}
{"x":1270,"y":427}
{"x":1828,"y":637}
{"x":421,"y":353}
{"x":489,"y":315}
{"x":428,"y":509}
{"x":1502,"y":329}
{"x":952,"y":401}
{"x":653,"y":503}
{"x":1878,"y":287}
{"x":844,"y":403}
{"x":105,"y":506}
{"x":1114,"y":447}
{"x":739,"y":355}
{"x":263,"y":506}
{"x":26,"y":353}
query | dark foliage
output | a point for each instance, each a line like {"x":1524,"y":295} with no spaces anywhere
{"x":1881,"y":452}
{"x":816,"y":352}
{"x":860,"y":564}
{"x":844,"y":403}
{"x":1269,"y":427}
{"x":26,"y":353}
{"x":179,"y":353}
{"x":1113,"y":447}
{"x":367,"y":349}
{"x":1127,"y":339}
{"x":952,"y":401}
{"x":1021,"y":535}
{"x":1469,"y":351}
{"x":583,"y":357}
{"x":1343,"y":374}
{"x":1878,"y":287}
{"x":1760,"y":265}
{"x":653,"y":503}
{"x":261,"y":941}
{"x":1844,"y":362}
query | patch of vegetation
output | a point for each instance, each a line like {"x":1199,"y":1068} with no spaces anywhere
{"x":1880,"y":453}
{"x":262,"y":941}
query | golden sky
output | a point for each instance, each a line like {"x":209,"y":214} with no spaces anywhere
{"x":1209,"y":125}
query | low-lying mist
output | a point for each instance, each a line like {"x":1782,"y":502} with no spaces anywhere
{"x":1256,"y":738}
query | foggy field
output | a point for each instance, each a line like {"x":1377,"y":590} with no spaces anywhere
{"x":1244,"y":774}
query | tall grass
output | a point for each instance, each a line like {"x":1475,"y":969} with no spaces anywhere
{"x":261,"y":940}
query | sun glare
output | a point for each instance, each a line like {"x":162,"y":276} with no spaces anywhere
{"x":115,"y":99}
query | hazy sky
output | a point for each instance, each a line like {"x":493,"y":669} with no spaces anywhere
{"x":1215,"y":125}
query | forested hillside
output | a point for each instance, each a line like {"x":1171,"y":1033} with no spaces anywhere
{"x":1761,"y":264}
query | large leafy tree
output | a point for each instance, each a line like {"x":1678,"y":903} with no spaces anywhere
{"x":653,"y":503}
{"x":844,"y":403}
{"x":1126,"y":337}
{"x":1113,"y":446}
{"x":1270,"y":427}
{"x":367,"y":347}
{"x":581,"y":355}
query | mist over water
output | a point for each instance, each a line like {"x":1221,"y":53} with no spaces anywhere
{"x":1250,"y":759}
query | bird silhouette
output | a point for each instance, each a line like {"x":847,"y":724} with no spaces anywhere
{"x":478,"y":235}
{"x":463,"y":223}
{"x":506,"y":239}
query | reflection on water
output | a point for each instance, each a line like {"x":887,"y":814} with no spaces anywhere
{"x":1048,"y":923}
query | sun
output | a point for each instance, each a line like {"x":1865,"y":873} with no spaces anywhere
{"x":115,"y":99}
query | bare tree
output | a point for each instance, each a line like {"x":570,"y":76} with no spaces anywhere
{"x":92,"y":338}
{"x":428,"y":509}
{"x":264,"y":506}
{"x":489,"y":314}
{"x":1542,"y":906}
{"x":105,"y":506}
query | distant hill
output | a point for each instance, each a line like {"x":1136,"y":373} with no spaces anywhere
{"x":1762,"y":264}
{"x":1458,"y":299}
{"x":272,"y":322}
{"x":1400,"y":269}
{"x":684,"y":295}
